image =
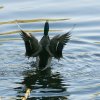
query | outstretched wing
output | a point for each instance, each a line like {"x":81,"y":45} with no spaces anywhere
{"x":31,"y":44}
{"x":57,"y":44}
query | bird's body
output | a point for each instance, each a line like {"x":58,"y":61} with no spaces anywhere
{"x":46,"y":48}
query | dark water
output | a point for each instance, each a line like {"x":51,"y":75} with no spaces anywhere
{"x":76,"y":76}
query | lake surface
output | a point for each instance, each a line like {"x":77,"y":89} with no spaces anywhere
{"x":76,"y":76}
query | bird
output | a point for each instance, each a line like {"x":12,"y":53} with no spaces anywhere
{"x":45,"y":49}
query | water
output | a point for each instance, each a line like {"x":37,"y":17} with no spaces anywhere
{"x":76,"y":76}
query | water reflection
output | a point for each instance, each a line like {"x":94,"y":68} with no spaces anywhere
{"x":44,"y":85}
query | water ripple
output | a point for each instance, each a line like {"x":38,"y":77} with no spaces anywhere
{"x":76,"y":76}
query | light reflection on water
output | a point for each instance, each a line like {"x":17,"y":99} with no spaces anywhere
{"x":76,"y":76}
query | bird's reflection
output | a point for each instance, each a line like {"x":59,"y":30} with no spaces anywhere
{"x":44,"y":85}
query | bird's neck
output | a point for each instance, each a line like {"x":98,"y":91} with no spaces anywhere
{"x":46,"y":29}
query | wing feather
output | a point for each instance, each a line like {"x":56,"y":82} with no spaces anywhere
{"x":57,"y":44}
{"x":31,"y":44}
